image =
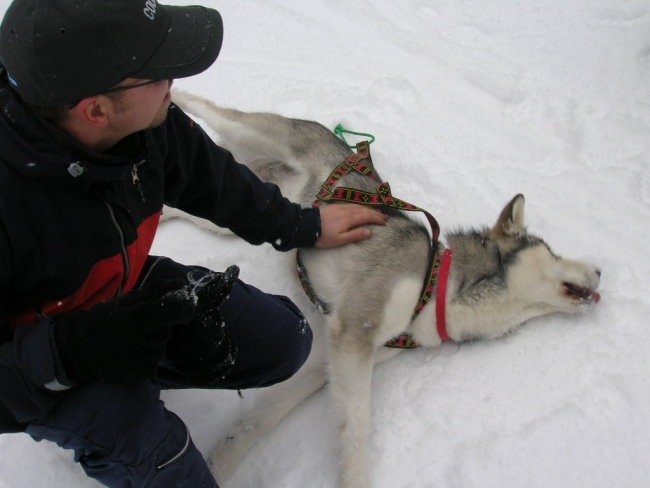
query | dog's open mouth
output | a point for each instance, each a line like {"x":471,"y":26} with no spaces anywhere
{"x":580,"y":293}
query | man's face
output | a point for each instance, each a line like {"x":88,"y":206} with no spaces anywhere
{"x":142,"y":107}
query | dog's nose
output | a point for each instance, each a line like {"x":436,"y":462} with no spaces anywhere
{"x":598,"y":272}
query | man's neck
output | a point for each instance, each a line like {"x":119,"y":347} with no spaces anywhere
{"x":97,"y":139}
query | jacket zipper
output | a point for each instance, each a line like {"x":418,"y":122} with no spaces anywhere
{"x":125,"y":256}
{"x":135,"y":178}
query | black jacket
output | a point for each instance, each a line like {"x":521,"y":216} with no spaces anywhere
{"x":76,"y":227}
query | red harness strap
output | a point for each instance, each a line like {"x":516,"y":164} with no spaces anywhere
{"x":440,"y":272}
{"x":361,"y":163}
{"x":441,"y":295}
{"x":354,"y":162}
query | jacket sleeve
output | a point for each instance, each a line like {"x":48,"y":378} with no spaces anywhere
{"x":28,"y":376}
{"x":204,"y":180}
{"x":29,"y":365}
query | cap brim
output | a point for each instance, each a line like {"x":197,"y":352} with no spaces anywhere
{"x":192,"y":44}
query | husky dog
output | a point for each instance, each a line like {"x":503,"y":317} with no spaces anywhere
{"x":499,"y":277}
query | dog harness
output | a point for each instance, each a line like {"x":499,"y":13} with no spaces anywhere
{"x":440,"y":261}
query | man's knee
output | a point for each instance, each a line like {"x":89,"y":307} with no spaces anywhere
{"x":297,"y":340}
{"x":270,"y":336}
{"x":273,"y":338}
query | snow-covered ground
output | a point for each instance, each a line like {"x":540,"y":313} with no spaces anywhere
{"x":471,"y":102}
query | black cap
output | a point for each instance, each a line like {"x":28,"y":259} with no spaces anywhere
{"x":60,"y":51}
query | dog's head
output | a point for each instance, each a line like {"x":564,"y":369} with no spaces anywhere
{"x":507,"y":265}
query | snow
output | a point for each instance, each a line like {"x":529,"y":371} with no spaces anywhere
{"x":471,"y":102}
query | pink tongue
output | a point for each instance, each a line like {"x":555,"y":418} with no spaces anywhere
{"x":596,"y":296}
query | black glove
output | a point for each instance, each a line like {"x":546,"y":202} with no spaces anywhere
{"x":201,"y":349}
{"x":123,"y":339}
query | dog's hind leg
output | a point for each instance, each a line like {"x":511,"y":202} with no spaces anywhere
{"x":274,"y":404}
{"x":351,"y":363}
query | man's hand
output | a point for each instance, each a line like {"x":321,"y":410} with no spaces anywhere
{"x":122,"y":339}
{"x":202,"y":349}
{"x":344,"y":223}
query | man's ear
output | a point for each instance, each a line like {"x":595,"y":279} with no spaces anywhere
{"x":93,"y":111}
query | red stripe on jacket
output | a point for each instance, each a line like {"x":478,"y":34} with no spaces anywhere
{"x":104,"y":279}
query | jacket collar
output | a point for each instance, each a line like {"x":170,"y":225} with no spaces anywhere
{"x":38,"y":149}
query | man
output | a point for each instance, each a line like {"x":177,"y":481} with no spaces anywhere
{"x":91,"y":326}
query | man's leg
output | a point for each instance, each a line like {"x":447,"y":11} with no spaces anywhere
{"x":124,"y":437}
{"x":272,"y":336}
{"x":271,"y":339}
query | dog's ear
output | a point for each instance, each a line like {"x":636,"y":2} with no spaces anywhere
{"x":511,"y":220}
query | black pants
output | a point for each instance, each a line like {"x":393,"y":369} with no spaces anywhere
{"x":122,"y":434}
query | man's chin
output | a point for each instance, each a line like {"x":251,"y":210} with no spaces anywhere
{"x":160,"y":118}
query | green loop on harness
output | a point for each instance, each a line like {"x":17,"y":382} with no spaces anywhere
{"x":339,"y":130}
